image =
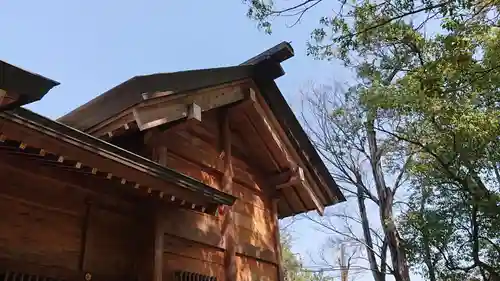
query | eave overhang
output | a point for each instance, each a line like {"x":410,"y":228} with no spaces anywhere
{"x":83,"y":150}
{"x":111,"y":113}
{"x":19,"y":87}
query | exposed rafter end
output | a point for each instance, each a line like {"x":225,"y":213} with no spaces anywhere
{"x":191,"y":114}
{"x":249,"y":99}
{"x":114,"y":131}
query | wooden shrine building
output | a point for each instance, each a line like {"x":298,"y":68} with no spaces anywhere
{"x":173,"y":176}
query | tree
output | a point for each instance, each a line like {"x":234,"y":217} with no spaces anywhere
{"x":360,"y":161}
{"x":431,"y":67}
{"x":292,"y":265}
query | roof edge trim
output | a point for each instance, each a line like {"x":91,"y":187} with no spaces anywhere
{"x":27,"y":87}
{"x":276,"y":54}
{"x":84,"y":141}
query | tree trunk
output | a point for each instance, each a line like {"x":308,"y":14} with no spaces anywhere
{"x":377,"y":274}
{"x":427,"y":248}
{"x":398,"y":256}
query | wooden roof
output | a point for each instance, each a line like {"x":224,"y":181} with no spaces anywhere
{"x":263,"y":69}
{"x":19,"y":87}
{"x":28,"y":135}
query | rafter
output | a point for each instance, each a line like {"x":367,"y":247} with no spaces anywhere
{"x":267,"y":132}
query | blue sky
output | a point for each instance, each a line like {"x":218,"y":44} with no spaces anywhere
{"x":90,"y":46}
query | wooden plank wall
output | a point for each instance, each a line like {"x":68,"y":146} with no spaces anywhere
{"x":44,"y":220}
{"x":197,"y":152}
{"x":42,"y":228}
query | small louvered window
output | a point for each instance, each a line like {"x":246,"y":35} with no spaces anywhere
{"x":18,"y":276}
{"x":192,"y":276}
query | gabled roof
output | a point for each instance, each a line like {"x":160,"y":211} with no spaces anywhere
{"x":21,"y":86}
{"x":129,"y":93}
{"x":263,"y":69}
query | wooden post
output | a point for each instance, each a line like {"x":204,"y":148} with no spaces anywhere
{"x":160,"y":154}
{"x":277,"y":240}
{"x":227,"y":186}
{"x":151,"y":260}
{"x":158,"y":244}
{"x":85,"y":237}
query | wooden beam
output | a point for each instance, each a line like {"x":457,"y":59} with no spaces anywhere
{"x":311,"y":172}
{"x":152,"y":234}
{"x":159,"y":234}
{"x":157,"y":98}
{"x":107,"y":162}
{"x":160,"y":155}
{"x":260,"y":115}
{"x":266,"y":157}
{"x":228,"y":234}
{"x":84,"y":245}
{"x":287,"y":178}
{"x":297,"y":178}
{"x":266,"y":124}
{"x":277,"y":239}
{"x":149,"y":116}
{"x":156,"y":139}
{"x":193,"y":118}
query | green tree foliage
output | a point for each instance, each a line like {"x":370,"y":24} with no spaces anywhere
{"x":433,"y":68}
{"x":292,"y":265}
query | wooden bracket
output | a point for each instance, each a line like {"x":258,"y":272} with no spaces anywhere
{"x":287,"y":178}
{"x":149,"y":114}
{"x":7,"y":97}
{"x":193,"y":117}
{"x":296,"y":177}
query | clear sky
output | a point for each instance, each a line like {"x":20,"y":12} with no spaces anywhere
{"x":90,"y":46}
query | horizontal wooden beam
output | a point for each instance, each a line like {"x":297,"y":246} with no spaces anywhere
{"x":193,"y":118}
{"x":152,"y":99}
{"x":149,"y":116}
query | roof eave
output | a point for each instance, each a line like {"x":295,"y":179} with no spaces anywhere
{"x":91,"y":144}
{"x":268,"y":68}
{"x":27,"y":86}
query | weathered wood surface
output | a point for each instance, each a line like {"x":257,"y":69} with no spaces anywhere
{"x":117,"y":238}
{"x":43,"y":223}
{"x":202,"y":150}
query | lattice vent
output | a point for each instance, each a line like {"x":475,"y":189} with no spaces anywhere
{"x":192,"y":276}
{"x":18,"y":276}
